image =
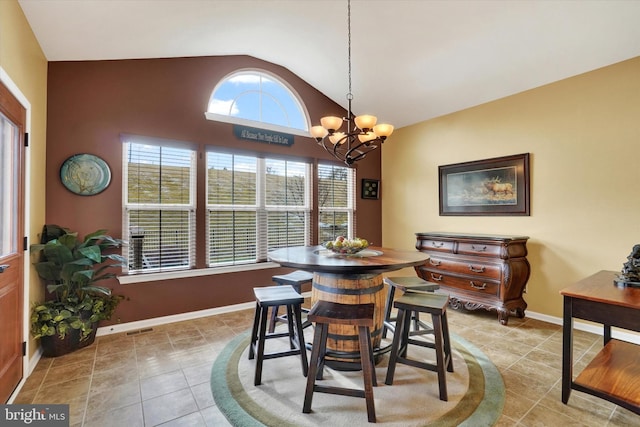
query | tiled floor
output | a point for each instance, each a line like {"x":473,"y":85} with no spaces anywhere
{"x":161,"y":377}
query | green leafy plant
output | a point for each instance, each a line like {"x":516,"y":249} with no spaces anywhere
{"x":70,"y":267}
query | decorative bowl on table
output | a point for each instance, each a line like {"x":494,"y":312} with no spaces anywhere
{"x":343,"y":246}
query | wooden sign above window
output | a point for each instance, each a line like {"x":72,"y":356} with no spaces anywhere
{"x":262,"y":135}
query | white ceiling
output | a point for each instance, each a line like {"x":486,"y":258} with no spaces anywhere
{"x":411,"y":59}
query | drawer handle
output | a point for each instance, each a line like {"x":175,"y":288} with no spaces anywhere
{"x":476,"y":270}
{"x":436,"y":278}
{"x":478,"y":249}
{"x":474,"y":286}
{"x":434,"y":262}
{"x":437,"y":244}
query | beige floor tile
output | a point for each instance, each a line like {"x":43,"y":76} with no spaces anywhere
{"x":161,"y":375}
{"x":168,"y":407}
{"x":129,"y":416}
{"x":203,"y":396}
{"x":162,"y":384}
{"x":115,"y":397}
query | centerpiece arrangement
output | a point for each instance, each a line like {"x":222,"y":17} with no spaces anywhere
{"x":343,"y":246}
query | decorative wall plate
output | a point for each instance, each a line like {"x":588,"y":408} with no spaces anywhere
{"x":85,"y":174}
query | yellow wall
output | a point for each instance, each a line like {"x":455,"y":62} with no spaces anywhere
{"x":583,"y":134}
{"x":22,"y":59}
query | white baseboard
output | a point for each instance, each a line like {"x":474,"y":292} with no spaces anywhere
{"x":156,"y":321}
{"x":594,"y":328}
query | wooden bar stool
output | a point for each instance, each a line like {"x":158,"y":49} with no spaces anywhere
{"x":295,"y":279}
{"x":436,"y":306}
{"x":324,"y":313}
{"x":405,"y":284}
{"x":273,"y":296}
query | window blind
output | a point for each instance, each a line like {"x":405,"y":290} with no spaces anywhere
{"x":336,"y":202}
{"x":159,"y":202}
{"x":255,"y":205}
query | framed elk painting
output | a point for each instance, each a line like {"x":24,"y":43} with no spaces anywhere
{"x":498,"y":186}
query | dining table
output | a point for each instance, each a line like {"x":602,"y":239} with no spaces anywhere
{"x":349,"y":279}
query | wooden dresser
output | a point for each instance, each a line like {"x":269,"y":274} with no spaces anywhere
{"x":478,"y":271}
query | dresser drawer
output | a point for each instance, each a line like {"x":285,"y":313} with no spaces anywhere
{"x":470,"y":284}
{"x":435,"y":245}
{"x":479,"y":248}
{"x":468,"y":266}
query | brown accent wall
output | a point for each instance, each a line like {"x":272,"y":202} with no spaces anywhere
{"x":91,"y":103}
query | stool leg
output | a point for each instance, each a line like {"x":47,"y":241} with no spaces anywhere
{"x":406,"y":332}
{"x":274,"y":318}
{"x":300,"y":336}
{"x":440,"y":359}
{"x":313,"y":367}
{"x":395,"y":347}
{"x":373,"y":362}
{"x":367,"y":370}
{"x":447,"y":342}
{"x":292,"y":340}
{"x":254,"y":331}
{"x":324,"y":335}
{"x":261,"y":339}
{"x":387,"y":311}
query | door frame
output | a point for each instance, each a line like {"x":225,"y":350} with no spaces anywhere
{"x":26,"y":368}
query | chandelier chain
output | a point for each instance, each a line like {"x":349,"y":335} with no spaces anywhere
{"x":350,"y":94}
{"x":362,"y":134}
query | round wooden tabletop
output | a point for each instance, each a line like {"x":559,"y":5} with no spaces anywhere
{"x":373,"y":260}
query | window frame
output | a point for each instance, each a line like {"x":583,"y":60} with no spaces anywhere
{"x":189,"y":208}
{"x":255,"y":123}
{"x":261,"y":207}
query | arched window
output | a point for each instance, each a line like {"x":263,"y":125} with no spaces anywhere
{"x":260,"y":99}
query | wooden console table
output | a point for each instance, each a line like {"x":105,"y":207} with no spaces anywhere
{"x":478,"y":271}
{"x":614,"y":374}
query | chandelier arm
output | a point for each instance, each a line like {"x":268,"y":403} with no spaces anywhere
{"x":370,"y":147}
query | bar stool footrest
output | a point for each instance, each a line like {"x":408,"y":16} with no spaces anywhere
{"x":339,"y":390}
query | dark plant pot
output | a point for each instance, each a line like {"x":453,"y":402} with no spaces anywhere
{"x":53,"y":346}
{"x":91,"y":338}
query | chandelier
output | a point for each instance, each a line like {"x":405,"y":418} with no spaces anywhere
{"x":362,"y":133}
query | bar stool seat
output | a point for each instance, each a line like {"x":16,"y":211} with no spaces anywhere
{"x":273,"y":296}
{"x":324,"y":313}
{"x":436,"y":306}
{"x":406,"y":284}
{"x":296,"y":279}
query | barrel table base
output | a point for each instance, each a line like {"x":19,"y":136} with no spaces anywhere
{"x":343,"y":349}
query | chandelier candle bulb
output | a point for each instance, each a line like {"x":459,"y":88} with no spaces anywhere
{"x":331,"y":123}
{"x":337,"y":137}
{"x":318,"y":132}
{"x":366,"y":122}
{"x":369,"y":136}
{"x":383,"y":130}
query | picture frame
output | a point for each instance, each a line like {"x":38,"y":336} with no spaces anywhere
{"x":370,"y":189}
{"x":497,"y":186}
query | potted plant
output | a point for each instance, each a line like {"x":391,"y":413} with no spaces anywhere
{"x":70,"y":266}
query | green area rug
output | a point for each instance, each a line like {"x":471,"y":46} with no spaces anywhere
{"x":476,"y":391}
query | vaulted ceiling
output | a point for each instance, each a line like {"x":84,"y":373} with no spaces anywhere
{"x":412,"y":60}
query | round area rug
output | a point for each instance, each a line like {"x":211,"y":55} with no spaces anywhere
{"x":475,"y":391}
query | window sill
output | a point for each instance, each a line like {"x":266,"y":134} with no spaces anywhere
{"x":181,"y":274}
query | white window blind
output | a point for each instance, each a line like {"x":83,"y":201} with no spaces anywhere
{"x":255,"y":205}
{"x":287,"y":203}
{"x":159,"y":202}
{"x":336,"y":202}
